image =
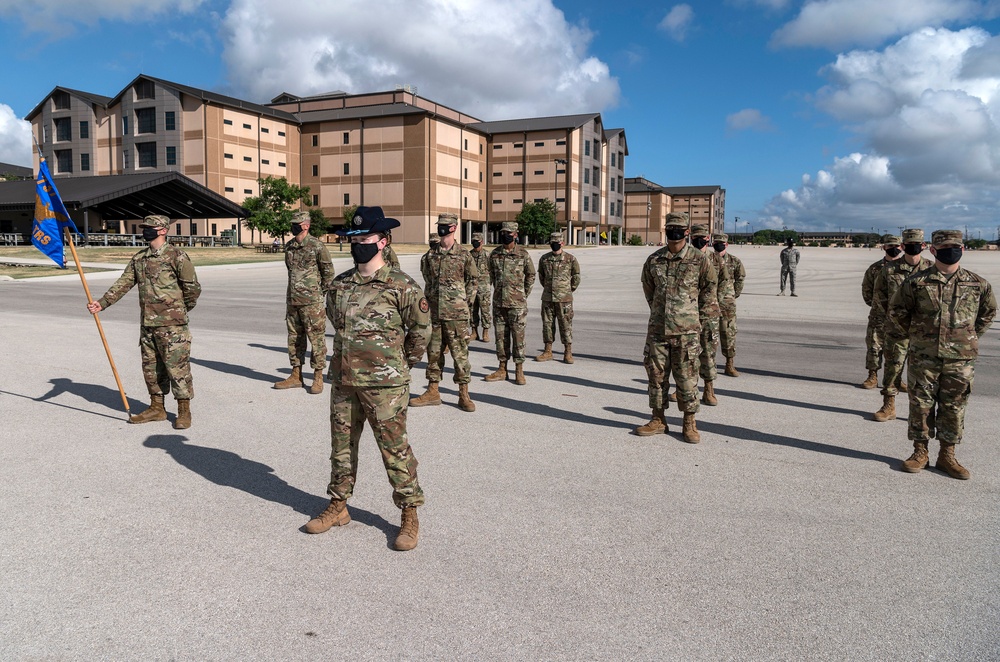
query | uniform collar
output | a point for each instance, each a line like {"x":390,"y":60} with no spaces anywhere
{"x":382,"y":275}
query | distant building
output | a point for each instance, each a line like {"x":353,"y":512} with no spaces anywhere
{"x":647,"y":205}
{"x":11,"y":172}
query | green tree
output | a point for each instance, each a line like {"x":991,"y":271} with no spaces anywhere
{"x":319,"y":224}
{"x":975,"y":243}
{"x":537,"y":220}
{"x":272,"y":210}
{"x":635,"y":240}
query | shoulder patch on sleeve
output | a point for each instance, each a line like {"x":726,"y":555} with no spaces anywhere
{"x":424,"y":306}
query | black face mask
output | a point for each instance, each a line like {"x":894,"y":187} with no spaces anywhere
{"x":476,"y":243}
{"x":719,"y":246}
{"x":699,"y":242}
{"x":364,"y":253}
{"x":444,"y":230}
{"x":555,"y":246}
{"x":296,"y":229}
{"x":949,"y":255}
{"x":506,"y":238}
{"x":913,"y":249}
{"x":150,"y":234}
{"x":675,"y":234}
{"x":893,"y":251}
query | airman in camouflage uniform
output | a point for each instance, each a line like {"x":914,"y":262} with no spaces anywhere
{"x":789,"y":265}
{"x":887,"y":281}
{"x":168,"y":289}
{"x":513,"y":274}
{"x":450,"y":279}
{"x":310,"y":273}
{"x":680,"y":287}
{"x":481,"y":304}
{"x":388,"y":254}
{"x":559,"y":274}
{"x":875,"y":334}
{"x":943,"y":310}
{"x":711,"y":312}
{"x":381,"y":322}
{"x":727,"y":323}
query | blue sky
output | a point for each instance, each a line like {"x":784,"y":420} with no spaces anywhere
{"x":815,"y":114}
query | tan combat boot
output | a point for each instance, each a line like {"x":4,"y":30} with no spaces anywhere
{"x":546,"y":354}
{"x":657,"y":425}
{"x":486,"y":334}
{"x":672,"y":396}
{"x":916,"y":462}
{"x":465,"y":403}
{"x":731,"y":367}
{"x":519,"y":374}
{"x":708,"y":397}
{"x":690,"y":429}
{"x":317,"y":385}
{"x":183,"y":420}
{"x":409,"y":530}
{"x":568,"y":354}
{"x":475,"y":334}
{"x":335,"y":515}
{"x":499,"y":375}
{"x":947,"y":463}
{"x":294,"y":380}
{"x":872,"y":380}
{"x":901,"y":385}
{"x":154,"y":412}
{"x":428,"y":398}
{"x":888,"y":410}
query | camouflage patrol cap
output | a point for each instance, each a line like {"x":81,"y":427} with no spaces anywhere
{"x":450,"y":219}
{"x":891,"y":240}
{"x":913,"y":236}
{"x":718,"y":236}
{"x":556,"y":236}
{"x":477,"y":236}
{"x":946,"y":237}
{"x":699,"y":231}
{"x":156,"y":221}
{"x":301,"y":217}
{"x":509,"y":226}
{"x":677,"y":220}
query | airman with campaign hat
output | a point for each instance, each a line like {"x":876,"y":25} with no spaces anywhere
{"x":481,"y":313}
{"x":368,"y":220}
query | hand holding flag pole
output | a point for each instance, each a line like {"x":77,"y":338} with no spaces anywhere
{"x":51,"y":220}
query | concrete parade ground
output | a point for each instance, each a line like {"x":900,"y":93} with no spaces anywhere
{"x":550,"y":531}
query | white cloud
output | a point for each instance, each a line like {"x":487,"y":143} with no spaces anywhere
{"x":677,"y":21}
{"x":748,"y":119}
{"x":59,"y":16}
{"x":493,"y":60}
{"x":837,"y":24}
{"x":15,"y":138}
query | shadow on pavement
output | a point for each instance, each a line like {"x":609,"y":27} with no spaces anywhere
{"x":785,"y":375}
{"x":283,"y":350}
{"x":579,"y":381}
{"x":755,"y":397}
{"x":94,"y":393}
{"x":535,"y":408}
{"x":240,"y":370}
{"x":58,"y":404}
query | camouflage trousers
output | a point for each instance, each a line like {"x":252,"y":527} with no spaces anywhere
{"x":454,"y":334}
{"x":789,"y":275}
{"x":939,"y":392}
{"x":385,"y":411}
{"x":874,"y":342}
{"x":672,"y":354}
{"x":306,"y":322}
{"x":561,"y":312}
{"x":709,"y":339}
{"x":166,"y":354}
{"x":727,"y":334}
{"x":895,"y":351}
{"x":509,"y":324}
{"x":481,"y":308}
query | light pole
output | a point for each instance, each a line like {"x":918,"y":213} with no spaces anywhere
{"x":555,"y":197}
{"x":736,"y":224}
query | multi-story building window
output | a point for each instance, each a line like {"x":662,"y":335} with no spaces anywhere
{"x":315,"y":141}
{"x":248,"y":159}
{"x":539,"y":172}
{"x":124,"y":126}
{"x":45,"y":133}
{"x":146,"y":154}
{"x":612,"y":159}
{"x":465,"y":172}
{"x":171,"y":155}
{"x":281,"y":134}
{"x":248,"y":191}
{"x":540,"y":144}
{"x":465,"y":202}
{"x":145,"y":120}
{"x":230,"y":189}
{"x":315,"y":199}
{"x":586,"y":176}
{"x":84,"y":130}
{"x":265,"y":161}
{"x":315,"y":171}
{"x":227,"y":122}
{"x":60,"y":100}
{"x":227,"y":156}
{"x":586,"y":148}
{"x":281,"y":164}
{"x":597,"y":176}
{"x":612,"y":184}
{"x":347,"y":199}
{"x":586,"y":203}
{"x":621,"y":183}
{"x":64,"y":160}
{"x":264,"y":129}
{"x":64,"y":129}
{"x":169,"y":121}
{"x":347,"y":168}
{"x":247,"y":126}
{"x":145,"y":89}
{"x":85,"y":162}
{"x":347,"y":138}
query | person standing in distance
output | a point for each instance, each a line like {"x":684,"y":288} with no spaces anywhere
{"x":168,"y":290}
{"x":388,"y":254}
{"x":559,"y":275}
{"x":727,"y":323}
{"x":310,"y":273}
{"x":943,"y":310}
{"x":450,"y":279}
{"x":679,"y":284}
{"x":513,"y":274}
{"x":875,"y":334}
{"x":789,"y":264}
{"x":481,"y":304}
{"x":709,"y":336}
{"x":381,"y":322}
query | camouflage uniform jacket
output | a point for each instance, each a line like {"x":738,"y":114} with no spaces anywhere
{"x":389,"y":256}
{"x":790,"y":258}
{"x":482,"y":260}
{"x":450,"y":282}
{"x":737,"y":271}
{"x":168,"y":286}
{"x":678,"y":288}
{"x":868,"y":288}
{"x":943,"y":316}
{"x":888,"y":280}
{"x":381,"y":325}
{"x":559,"y":276}
{"x":310,"y":271}
{"x":513,"y":275}
{"x":725,"y":293}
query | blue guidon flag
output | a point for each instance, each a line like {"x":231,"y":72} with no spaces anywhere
{"x":50,"y":217}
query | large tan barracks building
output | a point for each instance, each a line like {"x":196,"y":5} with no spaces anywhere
{"x":647,"y":205}
{"x":413,"y":157}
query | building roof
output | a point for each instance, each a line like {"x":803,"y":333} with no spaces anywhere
{"x":691,"y":190}
{"x":641,"y":185}
{"x":611,"y":133}
{"x":17,"y":171}
{"x":535,"y":124}
{"x":122,"y":197}
{"x":89,"y":97}
{"x":380,"y":110}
